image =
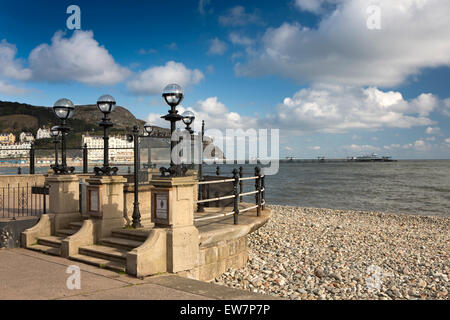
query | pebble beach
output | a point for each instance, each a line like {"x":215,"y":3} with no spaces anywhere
{"x":310,"y":254}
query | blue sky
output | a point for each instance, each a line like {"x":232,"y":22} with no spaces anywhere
{"x":314,"y":69}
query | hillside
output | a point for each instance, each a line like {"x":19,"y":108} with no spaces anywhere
{"x":17,"y":117}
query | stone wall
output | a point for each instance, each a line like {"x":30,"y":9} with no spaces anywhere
{"x":217,"y":258}
{"x":22,"y":179}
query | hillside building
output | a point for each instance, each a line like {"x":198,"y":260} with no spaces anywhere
{"x":43,"y":133}
{"x":26,"y":137}
{"x":120,"y":150}
{"x":7,"y":138}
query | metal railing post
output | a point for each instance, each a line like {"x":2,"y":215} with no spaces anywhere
{"x":263,"y":192}
{"x":236,"y":195}
{"x":32,"y":149}
{"x":85,"y":158}
{"x":257,"y":188}
{"x":241,"y":183}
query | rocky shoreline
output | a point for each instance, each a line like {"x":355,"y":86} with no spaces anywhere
{"x":309,"y":253}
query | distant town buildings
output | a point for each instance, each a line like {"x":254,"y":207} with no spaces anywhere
{"x":120,"y":150}
{"x":43,"y":133}
{"x":26,"y":137}
{"x":7,"y":139}
{"x":15,"y":150}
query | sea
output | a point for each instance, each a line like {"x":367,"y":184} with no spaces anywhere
{"x":418,"y":187}
{"x":405,"y":187}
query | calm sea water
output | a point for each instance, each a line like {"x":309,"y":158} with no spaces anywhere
{"x":411,"y":187}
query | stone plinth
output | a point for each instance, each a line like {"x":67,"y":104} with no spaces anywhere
{"x":182,"y":235}
{"x":108,"y":203}
{"x":64,"y":200}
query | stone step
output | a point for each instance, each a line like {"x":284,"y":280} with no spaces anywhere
{"x":65,"y":232}
{"x":45,"y":249}
{"x":51,"y":241}
{"x":76,"y":225}
{"x":121,"y":243}
{"x":98,"y":262}
{"x":131,"y":234}
{"x":105,"y":252}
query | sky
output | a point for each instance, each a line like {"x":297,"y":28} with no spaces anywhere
{"x":338,"y":78}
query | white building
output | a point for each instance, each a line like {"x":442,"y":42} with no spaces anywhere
{"x":26,"y":137}
{"x":15,"y":150}
{"x":95,"y":148}
{"x":43,"y":133}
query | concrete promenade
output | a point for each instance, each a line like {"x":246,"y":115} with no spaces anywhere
{"x":29,"y":275}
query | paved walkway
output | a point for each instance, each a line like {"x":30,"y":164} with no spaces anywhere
{"x":26,"y":274}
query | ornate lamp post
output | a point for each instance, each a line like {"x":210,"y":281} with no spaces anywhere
{"x":188,"y":118}
{"x":55,"y":133}
{"x":106,"y":105}
{"x":63,"y":109}
{"x":137,"y":164}
{"x":173,"y":95}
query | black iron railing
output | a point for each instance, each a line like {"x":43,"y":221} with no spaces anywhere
{"x":237,"y":195}
{"x":23,"y":200}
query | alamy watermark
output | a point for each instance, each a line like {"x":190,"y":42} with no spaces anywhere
{"x":240,"y":146}
{"x":374,"y":17}
{"x":73,"y":22}
{"x":73,"y":282}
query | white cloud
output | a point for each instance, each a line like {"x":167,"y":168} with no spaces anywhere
{"x":446,"y":107}
{"x":238,"y":39}
{"x":433,"y":130}
{"x":153,"y":80}
{"x":78,"y":58}
{"x":316,"y":148}
{"x":172,"y":46}
{"x":12,"y":90}
{"x":327,"y":108}
{"x":343,"y":50}
{"x":354,"y":148}
{"x":202,"y":4}
{"x":237,"y":16}
{"x":217,"y":47}
{"x":10,"y":67}
{"x":314,"y":6}
{"x":215,"y":114}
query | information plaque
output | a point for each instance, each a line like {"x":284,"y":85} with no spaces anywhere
{"x":93,"y":200}
{"x":160,"y":206}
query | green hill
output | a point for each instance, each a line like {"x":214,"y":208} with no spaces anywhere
{"x":17,"y":117}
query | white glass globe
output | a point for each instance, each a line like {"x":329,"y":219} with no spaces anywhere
{"x":173,"y":94}
{"x":148,"y":128}
{"x":54,"y":131}
{"x":188,"y":117}
{"x":63,"y":109}
{"x":106,"y":103}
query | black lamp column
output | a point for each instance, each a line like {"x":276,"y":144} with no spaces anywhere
{"x":106,"y":105}
{"x":173,"y":95}
{"x":137,"y":164}
{"x":64,"y":110}
{"x":136,"y":212}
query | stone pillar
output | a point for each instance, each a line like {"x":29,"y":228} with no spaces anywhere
{"x":105,"y":201}
{"x":172,"y":209}
{"x":63,"y":199}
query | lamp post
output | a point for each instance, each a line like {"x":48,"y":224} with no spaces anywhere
{"x":200,"y":206}
{"x":188,"y":118}
{"x":173,"y":95}
{"x":106,"y":105}
{"x":55,"y":133}
{"x":63,"y":109}
{"x":137,"y":164}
